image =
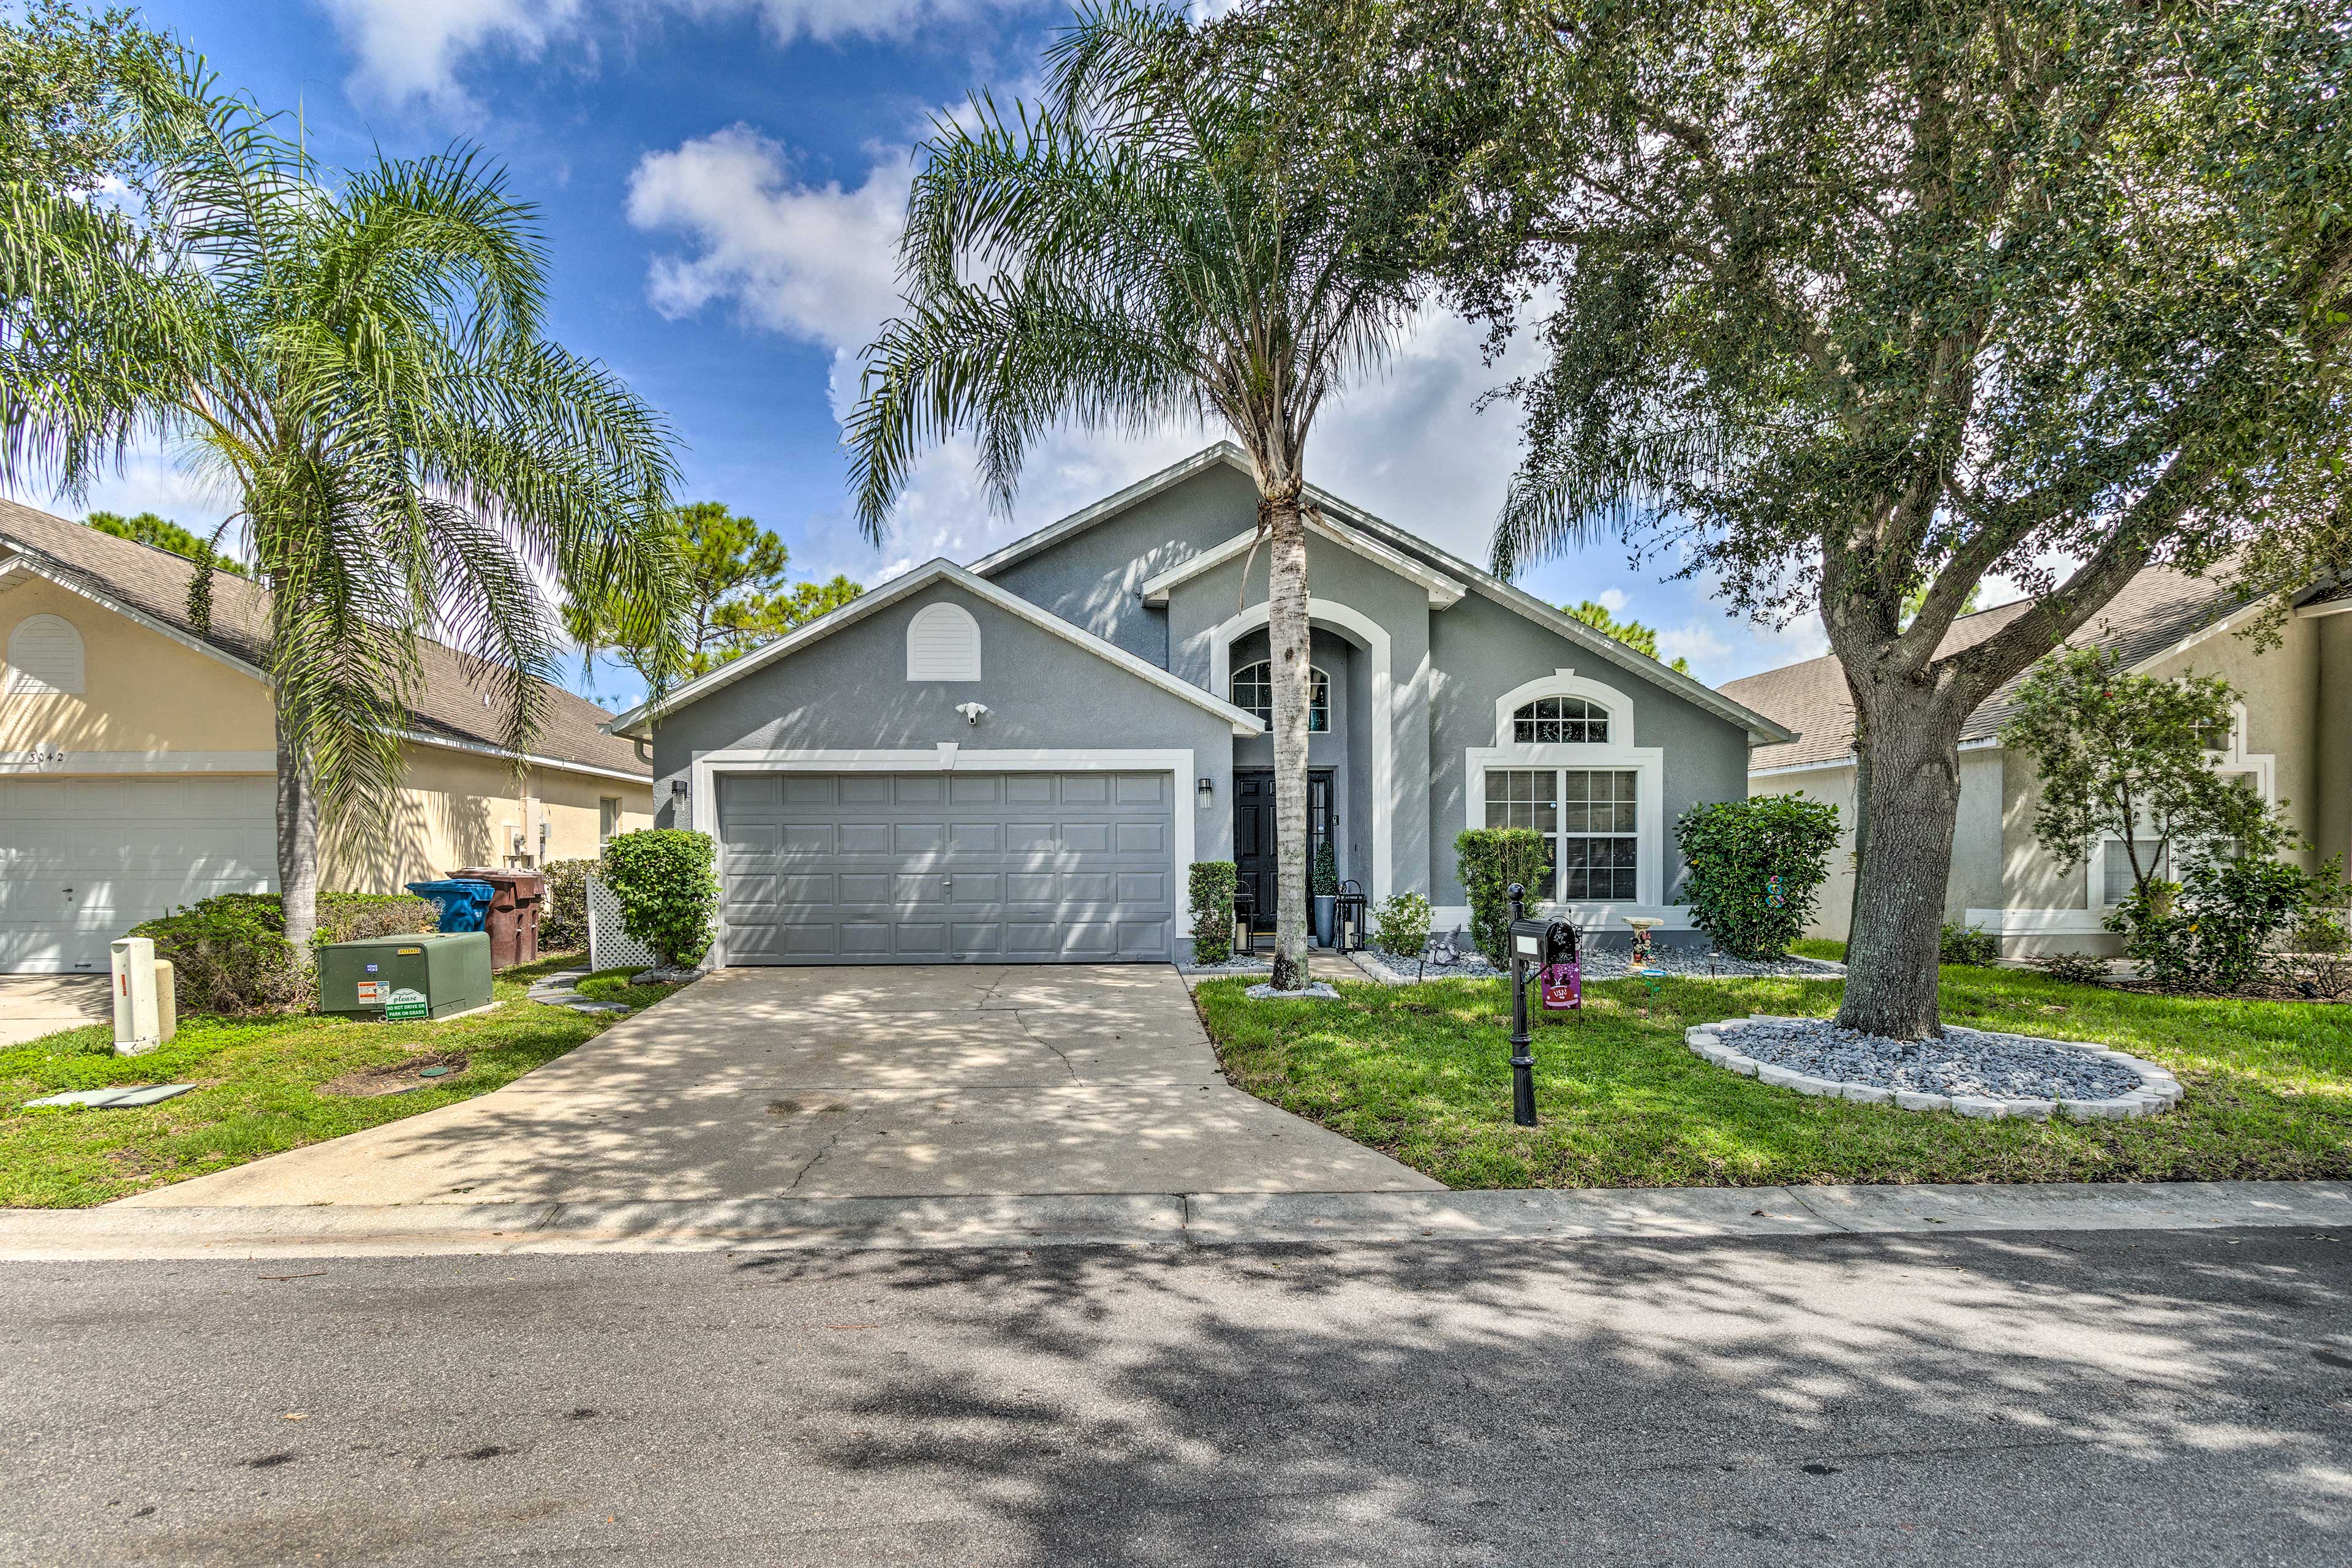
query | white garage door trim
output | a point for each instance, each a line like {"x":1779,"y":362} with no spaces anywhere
{"x":947,"y":757}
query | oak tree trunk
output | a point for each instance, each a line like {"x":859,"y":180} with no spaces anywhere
{"x":1908,"y":793}
{"x":297,"y":844}
{"x":1286,"y":631}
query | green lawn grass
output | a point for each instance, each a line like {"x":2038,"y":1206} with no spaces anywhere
{"x":1423,"y":1073}
{"x":258,"y":1090}
{"x":613,"y":986}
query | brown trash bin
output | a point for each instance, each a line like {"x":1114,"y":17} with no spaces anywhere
{"x":513,"y":921}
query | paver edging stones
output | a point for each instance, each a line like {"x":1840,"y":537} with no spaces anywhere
{"x":2158,"y":1090}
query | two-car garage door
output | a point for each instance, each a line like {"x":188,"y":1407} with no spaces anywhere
{"x":1027,"y":868}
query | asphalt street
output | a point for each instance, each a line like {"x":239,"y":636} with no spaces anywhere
{"x":2087,"y":1398}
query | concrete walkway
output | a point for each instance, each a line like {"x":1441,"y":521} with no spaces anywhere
{"x":32,"y":1006}
{"x":842,"y":1082}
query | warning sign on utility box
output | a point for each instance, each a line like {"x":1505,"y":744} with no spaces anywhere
{"x":407,"y":1003}
{"x":370,"y":992}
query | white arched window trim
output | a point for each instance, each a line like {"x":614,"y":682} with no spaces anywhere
{"x":1319,"y":684}
{"x":1648,"y":763}
{"x":45,"y":655}
{"x":1566,"y":683}
{"x":943,"y":644}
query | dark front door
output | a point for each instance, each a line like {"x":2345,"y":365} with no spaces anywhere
{"x":1256,"y":857}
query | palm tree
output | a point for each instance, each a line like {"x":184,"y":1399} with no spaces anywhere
{"x":360,"y":366}
{"x":1185,"y":230}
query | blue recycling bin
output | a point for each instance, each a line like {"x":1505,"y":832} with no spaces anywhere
{"x":463,"y":905}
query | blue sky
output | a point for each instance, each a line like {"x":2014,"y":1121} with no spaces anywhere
{"x":720,"y":181}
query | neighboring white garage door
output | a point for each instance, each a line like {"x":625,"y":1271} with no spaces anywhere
{"x":84,"y":860}
{"x":947,"y":868}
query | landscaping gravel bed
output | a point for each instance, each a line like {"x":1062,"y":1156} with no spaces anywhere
{"x":1976,"y":1072}
{"x":1603,"y":964}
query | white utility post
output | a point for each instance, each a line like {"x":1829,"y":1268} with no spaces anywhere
{"x":143,"y":1019}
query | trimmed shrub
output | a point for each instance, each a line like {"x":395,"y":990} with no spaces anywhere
{"x":669,"y":892}
{"x":2074,"y":968}
{"x":1212,"y":883}
{"x":229,"y":953}
{"x":563,"y":914}
{"x":1734,"y":848}
{"x":1967,"y":944}
{"x":1401,"y":925}
{"x":1323,"y":881}
{"x":1489,"y":860}
{"x":2219,"y":932}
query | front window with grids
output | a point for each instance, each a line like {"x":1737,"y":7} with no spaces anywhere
{"x":1253,"y":693}
{"x":1560,"y":721}
{"x":1586,"y":816}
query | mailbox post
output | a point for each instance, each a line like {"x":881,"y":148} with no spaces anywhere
{"x":1526,"y":943}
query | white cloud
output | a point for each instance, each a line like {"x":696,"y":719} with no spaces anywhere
{"x":818,"y":263}
{"x":1610,"y":599}
{"x":414,"y":51}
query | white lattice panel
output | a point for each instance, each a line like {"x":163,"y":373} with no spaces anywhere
{"x":609,"y":946}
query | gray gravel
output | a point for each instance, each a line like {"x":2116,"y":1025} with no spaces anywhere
{"x":1973,"y":1062}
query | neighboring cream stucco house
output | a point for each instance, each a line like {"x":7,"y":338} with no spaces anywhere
{"x":136,"y":761}
{"x":2292,"y":743}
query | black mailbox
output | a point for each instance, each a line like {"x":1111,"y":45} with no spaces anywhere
{"x":1528,"y":937}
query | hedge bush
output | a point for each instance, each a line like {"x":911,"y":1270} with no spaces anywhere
{"x":669,"y":892}
{"x":1489,"y":860}
{"x":229,"y":953}
{"x":1212,"y":885}
{"x":563,"y":914}
{"x":1734,"y":848}
{"x":1967,"y":944}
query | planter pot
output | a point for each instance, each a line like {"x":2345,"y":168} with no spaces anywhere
{"x":1326,"y":916}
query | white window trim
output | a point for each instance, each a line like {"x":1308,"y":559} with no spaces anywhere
{"x":1649,"y":762}
{"x":946,"y":757}
{"x":1565,"y":683}
{"x":1374,"y":637}
{"x":1314,"y":672}
{"x":958,"y":665}
{"x":2263,"y":766}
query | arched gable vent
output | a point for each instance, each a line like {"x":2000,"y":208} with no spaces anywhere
{"x":45,"y":655}
{"x":943,"y":644}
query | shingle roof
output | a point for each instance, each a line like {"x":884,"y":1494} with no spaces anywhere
{"x":155,"y":584}
{"x":2155,"y":609}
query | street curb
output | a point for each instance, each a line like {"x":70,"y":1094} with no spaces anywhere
{"x":1156,"y":1219}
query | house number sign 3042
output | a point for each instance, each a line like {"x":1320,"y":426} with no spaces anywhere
{"x":39,"y":756}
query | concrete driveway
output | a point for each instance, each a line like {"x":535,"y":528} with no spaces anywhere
{"x":847,"y":1082}
{"x":32,"y":1006}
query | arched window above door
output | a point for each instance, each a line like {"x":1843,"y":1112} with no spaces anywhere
{"x":1253,"y":692}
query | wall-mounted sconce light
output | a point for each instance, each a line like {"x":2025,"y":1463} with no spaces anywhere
{"x":971,"y":711}
{"x":1208,"y":793}
{"x":677,"y":790}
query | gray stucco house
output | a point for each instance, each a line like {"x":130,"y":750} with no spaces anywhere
{"x":1017,"y":761}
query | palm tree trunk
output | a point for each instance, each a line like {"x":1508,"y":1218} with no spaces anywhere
{"x":298,"y":845}
{"x":1912,"y":799}
{"x":1285,"y":630}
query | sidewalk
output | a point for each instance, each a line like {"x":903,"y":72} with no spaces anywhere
{"x":32,"y":1006}
{"x":1147,"y":1219}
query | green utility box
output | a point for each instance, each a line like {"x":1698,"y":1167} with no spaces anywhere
{"x":400,"y":977}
